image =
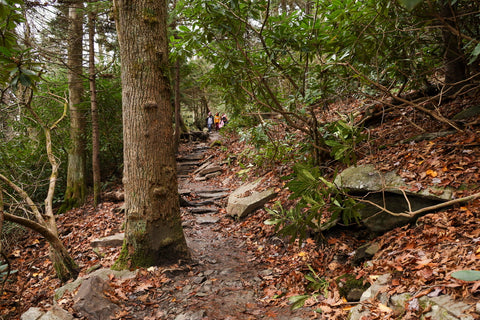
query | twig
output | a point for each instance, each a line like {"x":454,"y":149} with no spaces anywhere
{"x":412,"y":214}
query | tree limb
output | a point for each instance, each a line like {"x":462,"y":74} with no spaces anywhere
{"x":25,"y":197}
{"x":412,"y":214}
{"x":37,"y":227}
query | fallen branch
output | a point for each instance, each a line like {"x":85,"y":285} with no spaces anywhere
{"x":415,"y":213}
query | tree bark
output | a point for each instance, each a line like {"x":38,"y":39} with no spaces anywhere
{"x":177,"y":104}
{"x":153,"y":232}
{"x":454,"y":61}
{"x":94,"y":108}
{"x":76,"y":185}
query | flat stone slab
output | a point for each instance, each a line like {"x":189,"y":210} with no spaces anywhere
{"x":209,"y":190}
{"x":213,"y":175}
{"x":207,"y":169}
{"x":217,"y":195}
{"x":246,"y":200}
{"x":111,"y":241}
{"x":199,"y":210}
{"x":191,"y":157}
{"x":207,"y":220}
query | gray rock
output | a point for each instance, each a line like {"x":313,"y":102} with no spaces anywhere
{"x":90,"y":301}
{"x":102,"y":273}
{"x":366,"y":178}
{"x":115,"y":240}
{"x":197,"y":315}
{"x":443,"y":307}
{"x":199,"y":210}
{"x":207,"y":220}
{"x":389,"y":191}
{"x":358,"y":312}
{"x":32,"y":314}
{"x":365,"y":252}
{"x":399,"y":301}
{"x":245,"y":199}
{"x":213,"y":195}
{"x":208,"y":169}
{"x":56,"y":313}
{"x":374,"y":291}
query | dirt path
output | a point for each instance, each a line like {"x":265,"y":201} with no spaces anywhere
{"x":224,"y":282}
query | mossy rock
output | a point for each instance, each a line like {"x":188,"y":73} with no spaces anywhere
{"x":350,"y":287}
{"x":216,"y":143}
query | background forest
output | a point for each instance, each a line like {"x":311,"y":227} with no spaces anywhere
{"x":294,"y":58}
{"x":324,"y":69}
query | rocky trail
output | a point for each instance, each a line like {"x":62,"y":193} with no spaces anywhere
{"x":241,"y":269}
{"x":224,"y":281}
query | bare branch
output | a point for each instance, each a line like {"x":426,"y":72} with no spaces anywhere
{"x":26,"y":197}
{"x":412,"y":214}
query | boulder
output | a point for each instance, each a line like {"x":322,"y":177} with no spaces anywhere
{"x":245,"y":199}
{"x":90,"y":301}
{"x":387,"y":190}
{"x":103,"y":273}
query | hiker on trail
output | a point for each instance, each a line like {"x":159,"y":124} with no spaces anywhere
{"x":217,"y":121}
{"x":224,"y":119}
{"x":209,"y":122}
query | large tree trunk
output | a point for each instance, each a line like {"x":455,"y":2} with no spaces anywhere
{"x":76,"y":185}
{"x":94,"y":108}
{"x":153,"y":232}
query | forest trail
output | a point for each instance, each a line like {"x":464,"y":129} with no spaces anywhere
{"x":224,"y":280}
{"x":242,"y":269}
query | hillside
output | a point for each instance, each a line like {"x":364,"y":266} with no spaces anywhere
{"x":252,"y":272}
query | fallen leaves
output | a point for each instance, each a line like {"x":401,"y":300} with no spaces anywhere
{"x":431,"y":173}
{"x":420,"y":257}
